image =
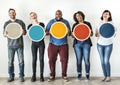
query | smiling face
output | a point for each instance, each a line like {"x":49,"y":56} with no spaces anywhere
{"x":33,"y":15}
{"x":106,"y":16}
{"x":12,"y":14}
{"x":79,"y":18}
{"x":58,"y":15}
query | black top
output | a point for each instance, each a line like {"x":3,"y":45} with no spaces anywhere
{"x":86,"y":41}
{"x":42,"y":41}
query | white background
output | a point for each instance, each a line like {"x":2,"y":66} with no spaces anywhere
{"x":46,"y":10}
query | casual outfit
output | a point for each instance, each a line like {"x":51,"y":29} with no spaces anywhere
{"x":15,"y":45}
{"x":82,"y":50}
{"x":105,"y":47}
{"x":58,"y":46}
{"x":34,"y":47}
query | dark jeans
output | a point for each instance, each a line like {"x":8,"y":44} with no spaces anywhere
{"x":53,"y":52}
{"x":82,"y":50}
{"x":34,"y":49}
{"x":11,"y":54}
{"x":105,"y":52}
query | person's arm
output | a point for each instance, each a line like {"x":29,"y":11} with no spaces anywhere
{"x":48,"y":28}
{"x":23,"y":28}
{"x":91,"y":29}
{"x":73,"y":29}
{"x":69,"y":29}
{"x":4,"y":31}
{"x":97,"y":34}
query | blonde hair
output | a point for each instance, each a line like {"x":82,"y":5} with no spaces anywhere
{"x":33,"y":13}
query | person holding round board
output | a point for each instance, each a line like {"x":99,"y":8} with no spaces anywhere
{"x":36,"y":33}
{"x":81,"y":32}
{"x":105,"y":33}
{"x":58,"y":29}
{"x":14,"y":29}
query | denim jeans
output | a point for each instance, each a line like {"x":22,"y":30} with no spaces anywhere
{"x":105,"y":52}
{"x":35,"y":48}
{"x":82,"y":50}
{"x":11,"y":55}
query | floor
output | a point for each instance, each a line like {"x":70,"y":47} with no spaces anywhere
{"x":59,"y":81}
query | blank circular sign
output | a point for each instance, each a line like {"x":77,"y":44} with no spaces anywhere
{"x":36,"y":33}
{"x":58,"y":30}
{"x":81,"y":32}
{"x":107,"y":30}
{"x":14,"y":30}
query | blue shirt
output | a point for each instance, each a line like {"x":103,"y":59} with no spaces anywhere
{"x":56,"y":41}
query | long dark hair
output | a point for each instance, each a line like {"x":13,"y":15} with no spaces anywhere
{"x":110,"y":18}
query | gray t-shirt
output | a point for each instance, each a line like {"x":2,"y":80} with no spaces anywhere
{"x":16,"y":42}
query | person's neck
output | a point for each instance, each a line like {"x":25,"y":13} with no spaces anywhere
{"x":58,"y":19}
{"x":35,"y":22}
{"x":13,"y":20}
{"x":105,"y":20}
{"x":80,"y":22}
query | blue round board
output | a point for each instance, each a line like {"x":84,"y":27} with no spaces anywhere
{"x":107,"y":30}
{"x":36,"y":33}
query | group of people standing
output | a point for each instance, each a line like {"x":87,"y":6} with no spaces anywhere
{"x":58,"y":46}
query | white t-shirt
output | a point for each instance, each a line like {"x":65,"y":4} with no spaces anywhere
{"x":102,"y":40}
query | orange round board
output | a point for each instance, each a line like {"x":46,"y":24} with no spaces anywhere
{"x":58,"y":30}
{"x":81,"y":32}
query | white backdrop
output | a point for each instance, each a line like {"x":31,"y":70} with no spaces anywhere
{"x":46,"y":11}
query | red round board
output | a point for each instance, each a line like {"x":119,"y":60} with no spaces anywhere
{"x":81,"y":32}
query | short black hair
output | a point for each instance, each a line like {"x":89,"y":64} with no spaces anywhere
{"x":11,"y":9}
{"x":59,"y":11}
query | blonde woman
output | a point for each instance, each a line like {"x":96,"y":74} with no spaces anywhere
{"x":35,"y":47}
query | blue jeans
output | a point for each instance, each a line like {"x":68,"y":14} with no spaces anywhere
{"x":105,"y":52}
{"x":11,"y":54}
{"x":82,"y":50}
